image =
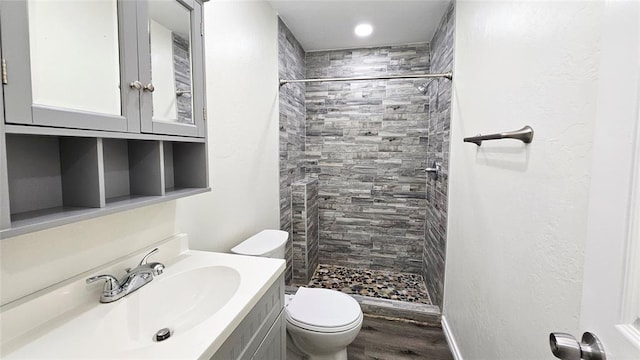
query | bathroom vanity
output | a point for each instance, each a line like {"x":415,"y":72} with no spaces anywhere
{"x":215,"y":306}
{"x":102,"y":108}
{"x":262,"y":333}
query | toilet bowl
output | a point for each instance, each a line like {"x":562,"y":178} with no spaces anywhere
{"x":321,"y":323}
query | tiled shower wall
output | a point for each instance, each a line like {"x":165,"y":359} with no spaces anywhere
{"x":304,"y":207}
{"x":366,"y":145}
{"x":366,"y":142}
{"x":292,"y":129}
{"x":438,"y":150}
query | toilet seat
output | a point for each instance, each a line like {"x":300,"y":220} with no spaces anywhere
{"x":323,"y":330}
{"x":323,"y":311}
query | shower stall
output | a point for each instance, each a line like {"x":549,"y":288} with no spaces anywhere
{"x":358,"y":129}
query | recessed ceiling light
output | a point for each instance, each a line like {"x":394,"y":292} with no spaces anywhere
{"x":363,"y":30}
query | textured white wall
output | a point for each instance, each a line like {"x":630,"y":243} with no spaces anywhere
{"x":34,"y":261}
{"x":518,"y":214}
{"x":242,"y":101}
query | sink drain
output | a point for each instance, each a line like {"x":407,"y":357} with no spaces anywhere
{"x":162,"y":334}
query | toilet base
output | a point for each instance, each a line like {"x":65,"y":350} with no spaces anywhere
{"x":294,"y":353}
{"x":341,"y":355}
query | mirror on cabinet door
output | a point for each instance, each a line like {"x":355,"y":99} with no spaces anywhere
{"x":64,"y":72}
{"x":170,"y":51}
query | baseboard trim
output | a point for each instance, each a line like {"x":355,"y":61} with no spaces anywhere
{"x":453,"y":346}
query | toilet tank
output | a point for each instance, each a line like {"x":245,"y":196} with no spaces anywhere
{"x":266,"y":243}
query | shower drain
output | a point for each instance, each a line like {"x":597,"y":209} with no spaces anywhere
{"x":162,"y":334}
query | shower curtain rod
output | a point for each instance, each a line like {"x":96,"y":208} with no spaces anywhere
{"x":389,"y":77}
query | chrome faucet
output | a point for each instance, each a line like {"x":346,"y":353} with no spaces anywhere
{"x":134,"y":279}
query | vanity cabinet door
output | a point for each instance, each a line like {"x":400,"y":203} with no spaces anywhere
{"x":171,"y":67}
{"x":274,"y":345}
{"x":69,"y":64}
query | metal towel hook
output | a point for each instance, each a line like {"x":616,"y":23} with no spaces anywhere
{"x":525,"y":135}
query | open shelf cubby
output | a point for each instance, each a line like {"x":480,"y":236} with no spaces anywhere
{"x":185,"y":166}
{"x":51,"y":177}
{"x":132,"y":169}
{"x":55,"y":180}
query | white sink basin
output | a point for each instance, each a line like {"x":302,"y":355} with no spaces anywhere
{"x":201,"y":298}
{"x":177,"y":302}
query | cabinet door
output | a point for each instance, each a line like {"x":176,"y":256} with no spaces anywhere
{"x":70,"y":63}
{"x":274,"y":345}
{"x":171,"y":68}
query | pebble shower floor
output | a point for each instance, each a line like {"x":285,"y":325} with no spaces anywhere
{"x":371,"y":283}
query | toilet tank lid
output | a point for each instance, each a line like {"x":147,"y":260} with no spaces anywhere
{"x":261,"y":243}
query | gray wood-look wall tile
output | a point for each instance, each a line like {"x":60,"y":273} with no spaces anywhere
{"x":433,"y":255}
{"x":366,"y":145}
{"x":305,"y":229}
{"x":291,"y":64}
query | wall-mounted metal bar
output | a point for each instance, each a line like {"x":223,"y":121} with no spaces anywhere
{"x":389,"y":77}
{"x":525,"y":135}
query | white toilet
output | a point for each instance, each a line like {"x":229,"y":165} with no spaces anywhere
{"x":266,"y":243}
{"x":321,"y":323}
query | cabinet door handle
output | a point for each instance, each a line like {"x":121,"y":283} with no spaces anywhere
{"x":149,"y":87}
{"x":136,"y":85}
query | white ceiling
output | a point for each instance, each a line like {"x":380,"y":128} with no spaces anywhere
{"x":327,"y":24}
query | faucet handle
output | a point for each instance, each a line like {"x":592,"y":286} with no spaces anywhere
{"x":144,"y":259}
{"x":158,"y":269}
{"x":111,"y":284}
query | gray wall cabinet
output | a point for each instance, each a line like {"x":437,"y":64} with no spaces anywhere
{"x":68,"y":154}
{"x":28,"y":89}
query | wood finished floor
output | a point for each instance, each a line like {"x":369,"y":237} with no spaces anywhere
{"x":388,"y":339}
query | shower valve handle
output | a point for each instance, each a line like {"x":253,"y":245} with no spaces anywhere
{"x":435,"y":168}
